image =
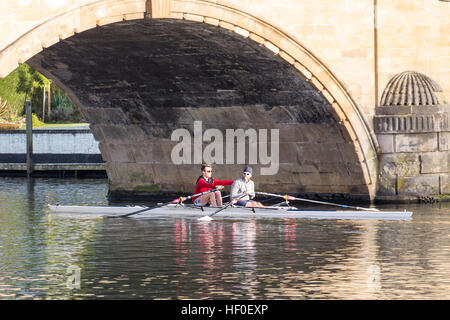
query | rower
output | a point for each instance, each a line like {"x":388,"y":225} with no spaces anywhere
{"x":204,"y":183}
{"x":245,"y":185}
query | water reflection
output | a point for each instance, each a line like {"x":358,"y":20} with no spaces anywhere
{"x":174,"y":258}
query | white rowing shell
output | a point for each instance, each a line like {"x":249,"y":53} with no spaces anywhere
{"x":173,"y":210}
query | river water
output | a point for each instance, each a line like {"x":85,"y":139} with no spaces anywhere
{"x":51,"y":257}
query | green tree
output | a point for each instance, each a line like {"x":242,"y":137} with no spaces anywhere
{"x":25,"y":83}
{"x":31,"y":83}
{"x":8,"y":93}
{"x":30,"y":80}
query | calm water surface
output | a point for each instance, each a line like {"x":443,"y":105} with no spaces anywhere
{"x":178,"y":258}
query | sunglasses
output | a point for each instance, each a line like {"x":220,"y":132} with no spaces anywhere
{"x":247,"y":174}
{"x":208,"y":171}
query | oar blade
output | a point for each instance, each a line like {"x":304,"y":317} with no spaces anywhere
{"x":205,"y":218}
{"x":370,"y":209}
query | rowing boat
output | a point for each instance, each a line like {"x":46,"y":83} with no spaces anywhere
{"x":185,"y":210}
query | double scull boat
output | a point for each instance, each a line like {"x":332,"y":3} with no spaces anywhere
{"x":233,"y":212}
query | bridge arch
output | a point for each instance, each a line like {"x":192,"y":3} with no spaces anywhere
{"x":220,"y":14}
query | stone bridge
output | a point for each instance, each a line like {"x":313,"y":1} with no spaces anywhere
{"x":344,"y":97}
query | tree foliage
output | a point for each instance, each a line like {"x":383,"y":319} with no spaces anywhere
{"x":30,"y":81}
{"x":25,"y":83}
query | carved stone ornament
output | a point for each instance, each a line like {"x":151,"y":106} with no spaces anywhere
{"x":412,"y":102}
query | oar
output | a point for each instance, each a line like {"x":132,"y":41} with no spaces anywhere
{"x":288,"y":197}
{"x":208,"y":218}
{"x":177,"y":200}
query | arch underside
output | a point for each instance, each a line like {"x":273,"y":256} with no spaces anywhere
{"x":137,"y":81}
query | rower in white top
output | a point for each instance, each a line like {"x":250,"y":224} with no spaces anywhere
{"x":244,"y":185}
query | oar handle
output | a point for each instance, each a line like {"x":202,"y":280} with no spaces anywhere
{"x":182,"y":199}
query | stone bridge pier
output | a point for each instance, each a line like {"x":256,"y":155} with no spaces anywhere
{"x":307,"y":93}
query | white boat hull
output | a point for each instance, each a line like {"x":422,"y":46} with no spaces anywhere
{"x":232,"y":212}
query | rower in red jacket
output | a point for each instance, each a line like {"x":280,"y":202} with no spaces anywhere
{"x":204,"y":183}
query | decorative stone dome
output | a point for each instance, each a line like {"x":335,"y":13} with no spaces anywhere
{"x":412,"y":103}
{"x":411,"y":88}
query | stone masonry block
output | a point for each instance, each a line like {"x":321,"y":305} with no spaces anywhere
{"x":445,"y":183}
{"x":444,"y":141}
{"x":387,"y":185}
{"x":288,"y":153}
{"x":160,"y":8}
{"x":419,"y":186}
{"x":114,"y":133}
{"x":386,"y":142}
{"x":212,"y":21}
{"x":322,"y":133}
{"x":292,"y":133}
{"x":348,"y":132}
{"x":405,"y":164}
{"x":120,"y":152}
{"x":318,"y":153}
{"x":226,"y":25}
{"x":435,"y":162}
{"x":420,"y":142}
{"x":193,"y":17}
{"x":144,"y":152}
{"x":286,"y":57}
{"x":130,"y":175}
{"x":256,"y":38}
